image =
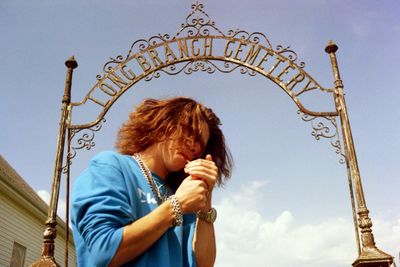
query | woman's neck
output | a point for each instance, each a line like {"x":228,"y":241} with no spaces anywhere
{"x":151,"y":156}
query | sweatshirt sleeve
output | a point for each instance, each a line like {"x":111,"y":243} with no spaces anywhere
{"x":101,"y":207}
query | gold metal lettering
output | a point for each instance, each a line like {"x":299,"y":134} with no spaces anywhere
{"x":209,"y":46}
{"x":226,"y":49}
{"x":95,"y":100}
{"x":264,"y":59}
{"x":154,"y":57}
{"x":108,"y":89}
{"x":117,"y":80}
{"x":279,"y":60}
{"x":129,"y":74}
{"x":183,"y":49}
{"x":143,"y":63}
{"x":294,"y":81}
{"x":168,"y":53}
{"x":284,"y":71}
{"x":252,"y":55}
{"x":238,"y":50}
{"x":197,"y":51}
{"x":306,"y":88}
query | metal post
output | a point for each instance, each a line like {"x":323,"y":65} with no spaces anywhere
{"x":370,"y":255}
{"x":67,"y":187}
{"x":47,"y":258}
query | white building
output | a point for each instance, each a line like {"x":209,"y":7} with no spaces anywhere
{"x":22,"y":217}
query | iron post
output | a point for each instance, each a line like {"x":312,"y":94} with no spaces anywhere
{"x":47,"y":258}
{"x":370,"y":255}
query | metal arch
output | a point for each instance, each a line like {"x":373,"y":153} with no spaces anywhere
{"x":198,"y":26}
{"x":118,"y":77}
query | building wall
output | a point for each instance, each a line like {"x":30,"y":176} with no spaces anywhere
{"x":22,"y":218}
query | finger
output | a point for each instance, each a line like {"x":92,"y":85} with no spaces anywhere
{"x":197,"y":182}
{"x":208,"y":158}
{"x":209,"y":181}
{"x":192,"y":182}
{"x":209,"y":178}
{"x":204,"y":182}
{"x":199,"y":170}
{"x":202,"y":162}
{"x":207,"y":169}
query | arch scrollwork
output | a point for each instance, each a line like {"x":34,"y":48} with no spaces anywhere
{"x":200,"y":46}
{"x":83,"y":138}
{"x":325,"y":127}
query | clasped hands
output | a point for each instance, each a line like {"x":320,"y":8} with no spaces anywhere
{"x":194,"y":193}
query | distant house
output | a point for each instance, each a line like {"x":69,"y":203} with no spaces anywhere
{"x":22,"y":217}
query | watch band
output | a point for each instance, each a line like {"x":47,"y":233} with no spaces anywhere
{"x":209,"y":216}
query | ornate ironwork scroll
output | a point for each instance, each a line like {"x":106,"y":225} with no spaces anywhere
{"x":201,"y":46}
{"x":325,"y":127}
{"x":84,"y":138}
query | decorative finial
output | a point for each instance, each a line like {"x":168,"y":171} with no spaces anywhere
{"x":71,"y":63}
{"x":331,"y":47}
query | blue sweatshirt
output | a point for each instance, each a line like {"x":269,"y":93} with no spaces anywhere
{"x":112,"y":193}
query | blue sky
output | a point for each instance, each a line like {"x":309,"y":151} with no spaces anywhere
{"x":288,"y":200}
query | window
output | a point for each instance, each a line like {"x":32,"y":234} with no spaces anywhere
{"x":18,"y":255}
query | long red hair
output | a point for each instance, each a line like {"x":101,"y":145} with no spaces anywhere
{"x":154,"y":121}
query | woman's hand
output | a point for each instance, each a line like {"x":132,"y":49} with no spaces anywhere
{"x":192,"y":195}
{"x":203,"y":169}
{"x":195,"y":191}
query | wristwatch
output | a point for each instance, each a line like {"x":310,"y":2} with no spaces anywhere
{"x":209,"y":216}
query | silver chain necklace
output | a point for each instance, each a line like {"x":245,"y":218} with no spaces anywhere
{"x":150,"y":180}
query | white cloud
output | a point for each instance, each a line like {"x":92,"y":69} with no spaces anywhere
{"x":61,"y":208}
{"x":246,"y":238}
{"x":387,"y":235}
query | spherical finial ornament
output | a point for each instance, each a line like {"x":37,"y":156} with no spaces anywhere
{"x":71,"y":63}
{"x":331,"y":47}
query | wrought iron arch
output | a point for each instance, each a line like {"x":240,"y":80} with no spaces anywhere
{"x":200,"y":46}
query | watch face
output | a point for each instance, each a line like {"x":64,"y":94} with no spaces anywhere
{"x":212,"y":215}
{"x":209,"y":216}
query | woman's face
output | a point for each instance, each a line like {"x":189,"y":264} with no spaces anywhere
{"x":175,"y":154}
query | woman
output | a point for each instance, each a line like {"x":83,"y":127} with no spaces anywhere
{"x":150,"y":204}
